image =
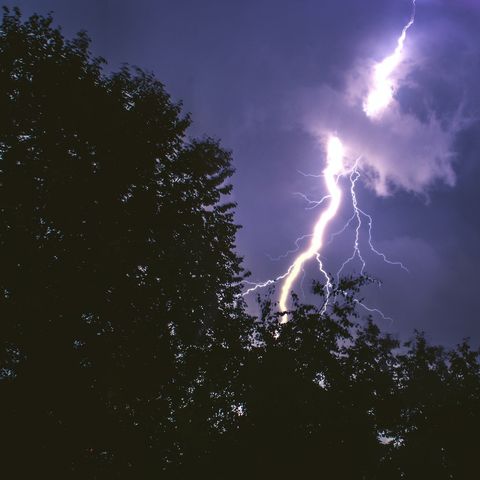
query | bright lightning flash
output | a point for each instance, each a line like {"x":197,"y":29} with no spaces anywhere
{"x":381,"y":93}
{"x":334,"y":168}
{"x":378,"y":99}
{"x":358,"y":213}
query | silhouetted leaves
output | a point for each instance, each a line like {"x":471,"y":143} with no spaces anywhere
{"x":125,"y":347}
{"x":119,"y":277}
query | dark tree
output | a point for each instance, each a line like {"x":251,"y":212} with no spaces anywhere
{"x":318,"y":389}
{"x":118,"y":273}
{"x":125,"y":348}
{"x":329,"y":395}
{"x":438,"y":412}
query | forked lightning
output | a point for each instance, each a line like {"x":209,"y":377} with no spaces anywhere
{"x":379,"y":98}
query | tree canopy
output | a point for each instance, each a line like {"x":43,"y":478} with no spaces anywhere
{"x":126,"y":351}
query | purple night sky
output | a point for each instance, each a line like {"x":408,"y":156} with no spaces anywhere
{"x":266,"y":76}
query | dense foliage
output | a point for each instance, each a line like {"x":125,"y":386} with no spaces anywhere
{"x":125,"y":349}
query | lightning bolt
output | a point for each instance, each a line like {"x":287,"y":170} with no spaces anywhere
{"x":381,"y":93}
{"x":377,"y":101}
{"x":334,"y":168}
{"x":358,"y":214}
{"x":289,"y":252}
{"x":312,"y":203}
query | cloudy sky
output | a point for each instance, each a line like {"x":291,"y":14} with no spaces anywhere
{"x":271,"y":78}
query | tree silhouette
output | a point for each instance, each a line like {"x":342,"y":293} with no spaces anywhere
{"x":125,"y":348}
{"x":118,"y":266}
